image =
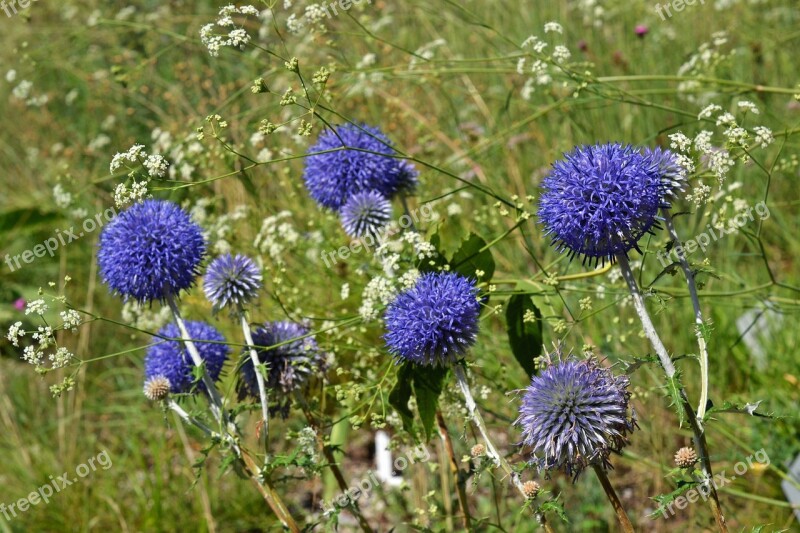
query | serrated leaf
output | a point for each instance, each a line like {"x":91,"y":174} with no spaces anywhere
{"x":401,"y":394}
{"x":674,"y":393}
{"x":746,"y":409}
{"x":471,"y":257}
{"x":665,"y":500}
{"x":525,"y":338}
{"x":428,"y":385}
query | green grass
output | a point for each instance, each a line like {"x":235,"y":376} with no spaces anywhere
{"x":461,"y":117}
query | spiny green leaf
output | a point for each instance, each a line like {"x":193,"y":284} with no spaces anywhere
{"x":674,"y":392}
{"x":746,"y":409}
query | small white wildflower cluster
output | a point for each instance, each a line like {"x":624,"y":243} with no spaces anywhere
{"x":592,"y":12}
{"x":145,"y":317}
{"x":543,"y":66}
{"x":24,"y":91}
{"x":277,"y":235}
{"x":719,"y":159}
{"x":155,"y":165}
{"x":237,"y":36}
{"x":62,"y":198}
{"x":36,"y":353}
{"x":312,"y":18}
{"x":702,"y":63}
{"x":182,"y":154}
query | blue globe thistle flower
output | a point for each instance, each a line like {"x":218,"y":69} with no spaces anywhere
{"x":170,"y":360}
{"x":664,"y":163}
{"x":574,"y":414}
{"x":150,"y":251}
{"x":434,"y":322}
{"x":232,"y":281}
{"x":599,"y":200}
{"x":333,"y":178}
{"x":365,"y":213}
{"x":290,"y":364}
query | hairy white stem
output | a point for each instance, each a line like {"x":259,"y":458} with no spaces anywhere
{"x":213,"y":394}
{"x":262,"y":388}
{"x":477,"y":419}
{"x":669,"y":370}
{"x":698,"y":318}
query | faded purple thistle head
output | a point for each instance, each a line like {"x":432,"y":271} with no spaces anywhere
{"x":290,"y":365}
{"x":600,"y":200}
{"x":232,"y":281}
{"x":574,"y":414}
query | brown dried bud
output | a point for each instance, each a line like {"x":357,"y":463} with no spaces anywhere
{"x":531,"y":489}
{"x":478,"y":450}
{"x":686,"y":457}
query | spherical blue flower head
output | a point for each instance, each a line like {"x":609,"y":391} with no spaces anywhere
{"x":150,"y":251}
{"x":290,"y":364}
{"x":574,"y":414}
{"x":434,"y":322}
{"x":232,"y":281}
{"x":365,"y":213}
{"x":665,"y":164}
{"x":333,"y":178}
{"x":170,"y":359}
{"x":599,"y":200}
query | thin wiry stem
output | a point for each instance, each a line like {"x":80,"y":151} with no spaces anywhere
{"x":262,"y":388}
{"x":669,"y":370}
{"x":698,"y":318}
{"x":499,"y":460}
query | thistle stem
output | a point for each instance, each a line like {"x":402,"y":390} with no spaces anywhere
{"x":698,"y":319}
{"x":622,"y":516}
{"x":262,"y":389}
{"x":213,"y":394}
{"x":499,"y":460}
{"x":669,"y":370}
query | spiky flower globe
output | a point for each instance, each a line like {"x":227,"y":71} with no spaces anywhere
{"x":600,"y":200}
{"x":332,"y":178}
{"x":365,"y":213}
{"x":574,"y":414}
{"x":170,"y":360}
{"x":150,"y":251}
{"x":156,"y":388}
{"x":290,"y":365}
{"x":434,"y":322}
{"x":231,"y":281}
